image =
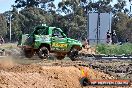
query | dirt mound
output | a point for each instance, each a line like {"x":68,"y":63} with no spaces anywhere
{"x":45,"y":74}
{"x":37,"y":76}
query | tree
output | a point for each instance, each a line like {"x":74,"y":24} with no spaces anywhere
{"x":3,"y":25}
{"x":119,"y":23}
{"x":120,"y":7}
{"x":128,"y":32}
{"x":26,"y":3}
{"x":74,"y":20}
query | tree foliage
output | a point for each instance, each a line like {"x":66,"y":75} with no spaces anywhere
{"x":26,"y":3}
{"x":120,"y":22}
{"x":70,"y":15}
{"x":3,"y":25}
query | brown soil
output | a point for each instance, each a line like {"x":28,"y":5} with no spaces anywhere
{"x":38,"y":75}
{"x":24,"y":73}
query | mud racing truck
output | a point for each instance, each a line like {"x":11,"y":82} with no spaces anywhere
{"x":45,"y":40}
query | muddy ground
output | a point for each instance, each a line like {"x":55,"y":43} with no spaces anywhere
{"x":121,"y":69}
{"x":20,"y":72}
{"x":25,"y":73}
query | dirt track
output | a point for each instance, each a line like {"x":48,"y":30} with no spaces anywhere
{"x":14,"y":75}
{"x":44,"y":74}
{"x":18,"y":72}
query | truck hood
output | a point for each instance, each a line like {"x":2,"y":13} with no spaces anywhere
{"x":73,"y":41}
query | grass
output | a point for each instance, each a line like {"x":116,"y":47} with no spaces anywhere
{"x":114,"y":49}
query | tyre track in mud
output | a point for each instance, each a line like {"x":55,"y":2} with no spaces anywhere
{"x":121,"y":69}
{"x":116,"y":67}
{"x":51,"y":73}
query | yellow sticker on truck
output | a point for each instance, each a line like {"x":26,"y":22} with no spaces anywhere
{"x":61,"y":45}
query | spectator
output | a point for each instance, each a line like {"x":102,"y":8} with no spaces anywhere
{"x":1,"y":40}
{"x":108,"y":35}
{"x":127,"y":40}
{"x":114,"y":37}
{"x":85,"y":44}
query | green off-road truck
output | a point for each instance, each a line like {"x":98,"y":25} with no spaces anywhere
{"x":44,"y":40}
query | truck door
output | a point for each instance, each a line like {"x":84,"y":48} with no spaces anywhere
{"x":59,"y":41}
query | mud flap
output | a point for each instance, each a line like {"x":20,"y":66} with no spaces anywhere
{"x":28,"y":53}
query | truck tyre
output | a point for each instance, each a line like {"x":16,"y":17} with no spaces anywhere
{"x":73,"y":54}
{"x":43,"y":52}
{"x":28,"y":53}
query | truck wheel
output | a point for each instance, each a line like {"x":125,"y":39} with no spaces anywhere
{"x":73,"y":54}
{"x":43,"y":52}
{"x":28,"y":53}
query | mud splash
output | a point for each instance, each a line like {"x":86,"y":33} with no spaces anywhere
{"x":6,"y":62}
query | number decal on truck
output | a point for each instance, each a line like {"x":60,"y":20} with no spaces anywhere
{"x":59,"y":45}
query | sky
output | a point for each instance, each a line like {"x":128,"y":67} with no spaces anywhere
{"x":5,"y":5}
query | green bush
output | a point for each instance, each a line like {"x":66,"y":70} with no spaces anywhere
{"x":114,"y":49}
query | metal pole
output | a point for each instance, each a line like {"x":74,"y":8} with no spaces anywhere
{"x":10,"y":27}
{"x":130,"y":6}
{"x":98,"y":28}
{"x":110,"y":27}
{"x":88,"y":27}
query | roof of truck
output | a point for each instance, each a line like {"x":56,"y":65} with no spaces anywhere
{"x":43,"y":26}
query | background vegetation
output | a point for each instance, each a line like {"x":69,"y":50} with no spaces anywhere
{"x":70,"y":15}
{"x":115,"y":49}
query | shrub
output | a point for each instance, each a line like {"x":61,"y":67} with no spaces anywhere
{"x":125,"y":48}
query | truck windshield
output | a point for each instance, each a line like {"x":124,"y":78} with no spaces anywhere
{"x":41,"y":31}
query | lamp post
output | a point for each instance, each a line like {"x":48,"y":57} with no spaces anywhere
{"x":10,"y":24}
{"x":130,"y":5}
